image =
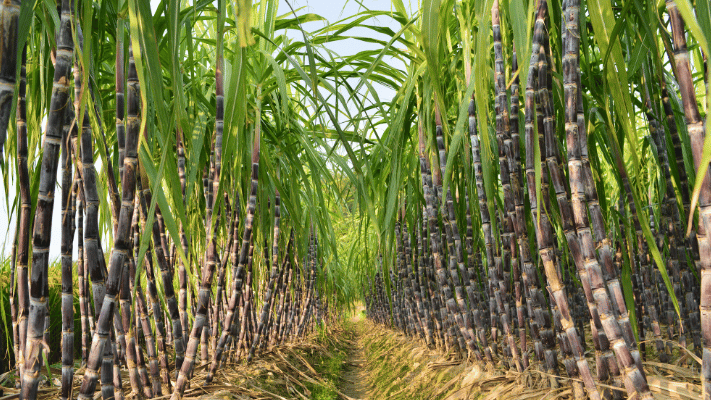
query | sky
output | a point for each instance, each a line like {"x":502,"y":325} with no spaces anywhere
{"x":332,"y":10}
{"x":335,"y":10}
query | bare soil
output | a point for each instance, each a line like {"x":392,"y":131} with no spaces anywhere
{"x":354,"y":380}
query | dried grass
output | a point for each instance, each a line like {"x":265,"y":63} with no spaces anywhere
{"x":469,"y":380}
{"x":283,"y":367}
{"x":429,"y":374}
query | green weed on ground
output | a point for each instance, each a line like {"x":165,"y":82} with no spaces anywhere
{"x":326,"y":356}
{"x":402,"y":368}
{"x":329,"y":365}
{"x":7,"y":358}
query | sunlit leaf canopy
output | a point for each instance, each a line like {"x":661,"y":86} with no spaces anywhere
{"x":344,"y":159}
{"x":305,"y":93}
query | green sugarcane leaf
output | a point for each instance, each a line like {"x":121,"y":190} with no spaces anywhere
{"x":642,"y":215}
{"x":522,"y":33}
{"x":459,"y":135}
{"x":702,"y":34}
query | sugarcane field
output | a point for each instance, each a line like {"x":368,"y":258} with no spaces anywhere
{"x":355,"y":199}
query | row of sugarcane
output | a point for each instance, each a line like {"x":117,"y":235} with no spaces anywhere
{"x":124,"y":322}
{"x":527,"y":308}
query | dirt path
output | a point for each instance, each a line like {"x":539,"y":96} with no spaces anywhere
{"x":354,"y":380}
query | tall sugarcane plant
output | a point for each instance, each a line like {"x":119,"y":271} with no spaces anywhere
{"x":116,"y":337}
{"x":39,"y":285}
{"x":695,"y":125}
{"x":23,"y":221}
{"x":572,"y":236}
{"x":529,"y":231}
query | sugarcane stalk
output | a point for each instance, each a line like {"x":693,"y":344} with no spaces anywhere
{"x":293,"y":301}
{"x":145,"y":198}
{"x":411,"y":270}
{"x":243,"y":257}
{"x":440,"y":312}
{"x":454,"y":317}
{"x":308,"y":301}
{"x":695,"y":127}
{"x":668,"y":226}
{"x":151,"y":384}
{"x":91,"y":228}
{"x":394,"y":295}
{"x":683,"y":182}
{"x":23,"y":222}
{"x":13,"y":311}
{"x":122,"y":240}
{"x":164,"y":241}
{"x":21,"y":129}
{"x":489,"y":350}
{"x":446,"y":332}
{"x":505,"y":145}
{"x":447,"y":283}
{"x":143,"y":311}
{"x":166,"y":274}
{"x":456,"y":262}
{"x":208,"y":271}
{"x":283,"y":283}
{"x":114,"y":195}
{"x":228,"y":256}
{"x":692,"y":247}
{"x":269,"y":294}
{"x":218,"y":304}
{"x":127,"y":320}
{"x":405,"y":291}
{"x":547,"y":348}
{"x":412,"y":276}
{"x":143,"y":314}
{"x":288,"y":303}
{"x":68,"y":229}
{"x":424,"y":284}
{"x":154,"y":310}
{"x":10,"y":17}
{"x":518,"y":217}
{"x":39,"y":287}
{"x":573,"y":347}
{"x":246,"y":304}
{"x":182,"y":270}
{"x":617,"y":331}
